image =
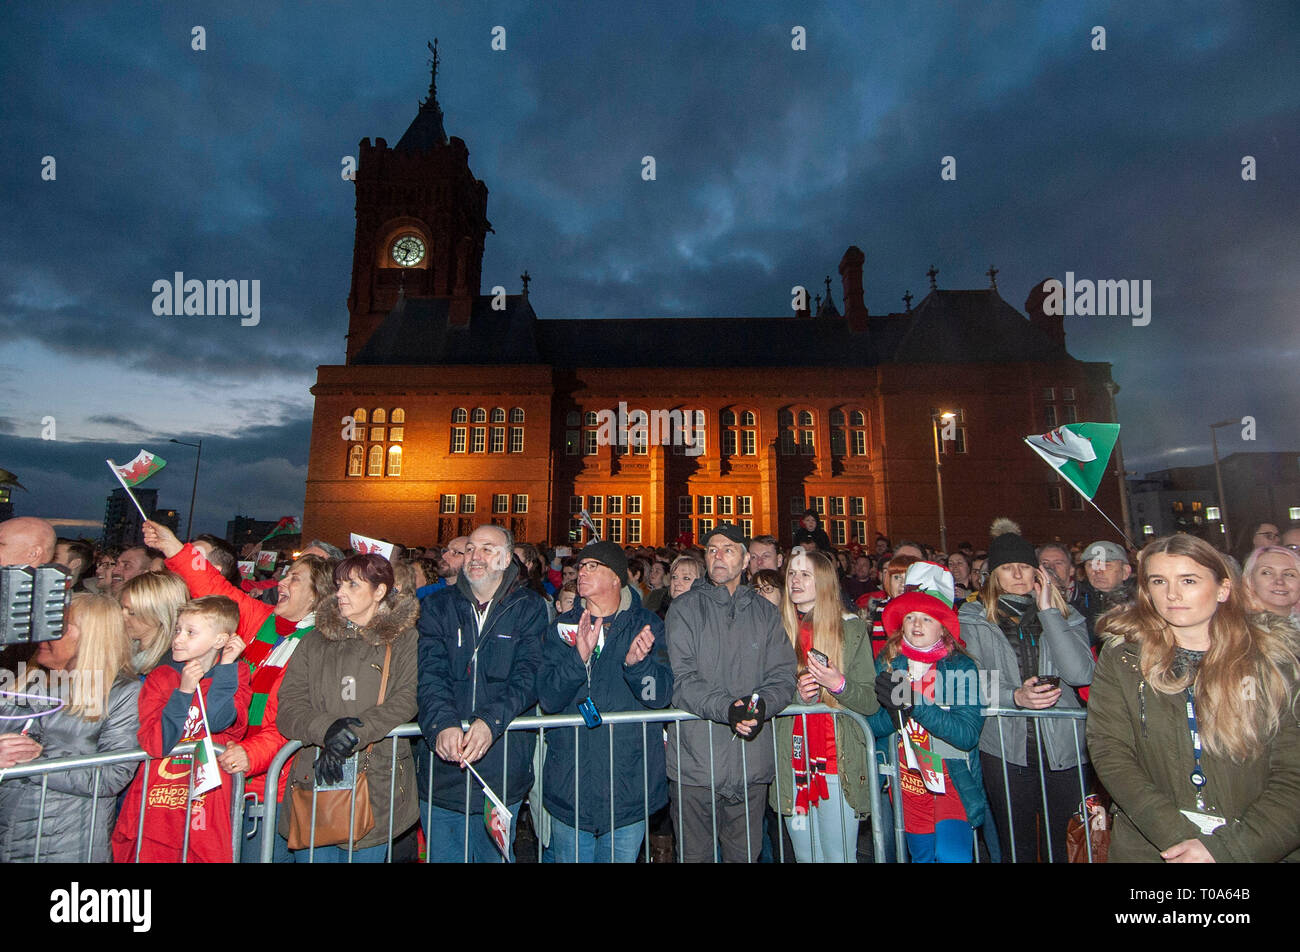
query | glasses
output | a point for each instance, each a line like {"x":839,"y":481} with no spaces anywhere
{"x":588,"y":566}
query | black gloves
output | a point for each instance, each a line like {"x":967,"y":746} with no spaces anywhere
{"x":892,"y":685}
{"x":329,"y":768}
{"x":339,"y":739}
{"x":742,"y":711}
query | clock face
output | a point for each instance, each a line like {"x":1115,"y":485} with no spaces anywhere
{"x":408,"y":251}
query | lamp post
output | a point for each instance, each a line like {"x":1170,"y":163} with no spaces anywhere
{"x":944,"y":415}
{"x":189,"y":523}
{"x":1218,"y":478}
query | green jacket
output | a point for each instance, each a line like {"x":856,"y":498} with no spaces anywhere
{"x":850,"y":744}
{"x":1141,"y":748}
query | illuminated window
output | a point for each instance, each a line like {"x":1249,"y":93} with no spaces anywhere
{"x":615,"y":505}
{"x":498,"y":439}
{"x":521,"y":502}
{"x":359,"y":415}
{"x":500,"y":502}
{"x":394,"y":461}
{"x":516,"y":439}
{"x":517,"y":415}
{"x":746,"y":505}
{"x":498,"y":415}
{"x":375,"y":464}
{"x":724,"y":505}
{"x":839,"y":532}
{"x":468,"y":502}
{"x":459,"y":415}
{"x":396,"y":433}
{"x":377,"y":433}
{"x":458,"y":439}
{"x":480,"y":415}
{"x":399,"y":416}
{"x":448,"y":502}
{"x":634,"y":505}
{"x":379,"y":416}
{"x":480,"y":439}
{"x":356,"y":460}
{"x":860,"y":531}
{"x":634,"y":532}
{"x":706,"y":505}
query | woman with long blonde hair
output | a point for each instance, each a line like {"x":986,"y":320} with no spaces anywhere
{"x":821,"y":787}
{"x":1193,"y":716}
{"x":89,"y":670}
{"x":150,"y":603}
{"x":1272,"y":577}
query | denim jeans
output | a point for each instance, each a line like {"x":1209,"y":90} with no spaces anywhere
{"x":829,"y":833}
{"x":444,"y":832}
{"x":339,"y":854}
{"x":591,"y":848}
{"x":250,"y":851}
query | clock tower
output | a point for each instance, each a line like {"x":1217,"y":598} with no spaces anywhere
{"x":421,"y":223}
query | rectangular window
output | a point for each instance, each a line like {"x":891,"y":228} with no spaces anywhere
{"x":377,"y":433}
{"x":837,"y":505}
{"x":575,"y":504}
{"x":634,"y":505}
{"x":706,"y":505}
{"x":787,"y":442}
{"x":685,"y":527}
{"x":839,"y":533}
{"x":595,"y":504}
{"x":1049,"y":394}
{"x":859,"y":504}
{"x":395,"y":433}
{"x":640,"y":441}
{"x":498,"y":439}
{"x":468,"y":502}
{"x":724,"y":505}
{"x":749,"y":441}
{"x":516,"y":439}
{"x":796,"y":506}
{"x":684,"y":505}
{"x":1076,"y":502}
{"x":615,"y":505}
{"x":747,"y":527}
{"x":600,"y":527}
{"x":500,"y":502}
{"x":616,"y":530}
{"x":458,"y":439}
{"x":1053,"y":497}
{"x":957,"y":444}
{"x":1071,"y":414}
{"x":859,"y":442}
{"x":728,"y":442}
{"x":806,"y":443}
{"x":746,"y":505}
{"x":575,"y":530}
{"x":1049,"y":416}
{"x":837,"y":442}
{"x":571,"y":442}
{"x":449,"y":502}
{"x":818,"y":504}
{"x":521,"y":502}
{"x":1067,"y":394}
{"x":706,"y":526}
{"x":634,"y":531}
{"x":860,"y":531}
{"x":588,"y":442}
{"x":480,"y":439}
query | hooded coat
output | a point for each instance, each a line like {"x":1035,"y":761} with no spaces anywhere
{"x":468,"y":673}
{"x":723,"y":647}
{"x":336,"y":672}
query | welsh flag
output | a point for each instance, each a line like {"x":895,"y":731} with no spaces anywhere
{"x":289,"y":525}
{"x":139,"y":469}
{"x":207,"y":775}
{"x":496,"y":816}
{"x":1079,"y":452}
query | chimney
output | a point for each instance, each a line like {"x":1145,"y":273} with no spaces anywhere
{"x":1053,"y":325}
{"x":855,"y":310}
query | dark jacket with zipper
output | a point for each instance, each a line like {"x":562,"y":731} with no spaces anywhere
{"x":490,"y":675}
{"x":640,"y":784}
{"x":336,"y":672}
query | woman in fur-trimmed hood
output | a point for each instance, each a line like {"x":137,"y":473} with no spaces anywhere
{"x":329,"y":700}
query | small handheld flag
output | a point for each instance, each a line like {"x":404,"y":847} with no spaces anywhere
{"x":496,"y":816}
{"x":266,"y":559}
{"x":135,"y":472}
{"x":365,"y":545}
{"x":207,"y":775}
{"x":289,"y":525}
{"x":247,"y":569}
{"x":1079,"y":452}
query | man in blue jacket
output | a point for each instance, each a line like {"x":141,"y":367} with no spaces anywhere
{"x":480,"y":649}
{"x":606,"y":654}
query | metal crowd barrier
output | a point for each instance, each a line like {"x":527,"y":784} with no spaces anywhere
{"x":543,"y":723}
{"x":45,"y":768}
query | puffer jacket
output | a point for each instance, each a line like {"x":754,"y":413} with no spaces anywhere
{"x":723,"y":647}
{"x":639,"y":785}
{"x":336,"y":672}
{"x":67,"y":834}
{"x":859,"y":695}
{"x":490,"y":675}
{"x":1063,"y":650}
{"x":1141,"y":747}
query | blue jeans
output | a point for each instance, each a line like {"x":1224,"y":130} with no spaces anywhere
{"x":339,"y":854}
{"x":951,"y":842}
{"x":444,"y":832}
{"x":250,"y":851}
{"x":829,"y":834}
{"x":591,"y":848}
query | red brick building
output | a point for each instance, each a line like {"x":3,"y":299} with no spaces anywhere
{"x":456,"y":407}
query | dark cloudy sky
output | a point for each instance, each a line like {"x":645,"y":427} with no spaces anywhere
{"x":225,"y":163}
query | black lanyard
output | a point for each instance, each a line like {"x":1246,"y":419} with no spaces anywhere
{"x":1198,"y":775}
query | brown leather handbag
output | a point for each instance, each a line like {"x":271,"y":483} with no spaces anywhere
{"x":1076,"y":841}
{"x":337,"y":811}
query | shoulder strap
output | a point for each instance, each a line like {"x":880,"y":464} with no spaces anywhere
{"x":383,"y":687}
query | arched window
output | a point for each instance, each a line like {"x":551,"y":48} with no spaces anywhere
{"x":379,"y":416}
{"x":359,"y":415}
{"x":856,"y":437}
{"x":517,"y":415}
{"x":498,"y":415}
{"x":399,"y":416}
{"x":459,"y":415}
{"x":480,"y":415}
{"x":394,"y":461}
{"x":375,"y":465}
{"x":748,"y":418}
{"x":857,"y":418}
{"x":356,"y":460}
{"x":837,"y":418}
{"x":805,"y":418}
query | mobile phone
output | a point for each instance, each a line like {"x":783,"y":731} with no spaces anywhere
{"x":1051,"y":679}
{"x":821,"y":658}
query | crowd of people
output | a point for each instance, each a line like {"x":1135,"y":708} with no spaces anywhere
{"x":1164,"y":681}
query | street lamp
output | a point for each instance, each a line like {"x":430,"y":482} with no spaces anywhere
{"x":944,"y":415}
{"x":189,"y":523}
{"x":1218,"y":477}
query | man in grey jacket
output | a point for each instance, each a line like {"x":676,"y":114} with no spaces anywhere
{"x":732,"y":665}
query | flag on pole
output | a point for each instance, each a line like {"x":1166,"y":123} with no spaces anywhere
{"x":1079,"y":452}
{"x":139,"y":469}
{"x":365,"y":545}
{"x":496,"y":816}
{"x":289,"y":525}
{"x":207,"y":775}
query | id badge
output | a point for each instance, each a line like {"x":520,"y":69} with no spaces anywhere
{"x":349,"y":777}
{"x":590,"y":715}
{"x":1206,"y":822}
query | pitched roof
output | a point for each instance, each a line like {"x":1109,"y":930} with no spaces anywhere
{"x":971,"y":327}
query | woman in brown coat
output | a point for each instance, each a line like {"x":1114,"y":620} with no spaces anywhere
{"x":329,"y":700}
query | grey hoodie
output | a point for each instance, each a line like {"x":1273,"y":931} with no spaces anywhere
{"x":723,"y":647}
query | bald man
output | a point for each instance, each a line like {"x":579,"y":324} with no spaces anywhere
{"x":25,"y":540}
